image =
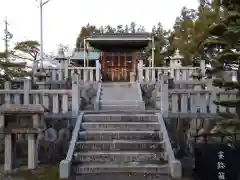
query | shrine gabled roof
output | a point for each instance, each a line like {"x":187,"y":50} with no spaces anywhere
{"x":117,"y":42}
{"x":91,"y":55}
{"x":120,"y":36}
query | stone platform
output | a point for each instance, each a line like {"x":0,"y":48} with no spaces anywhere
{"x":121,"y":96}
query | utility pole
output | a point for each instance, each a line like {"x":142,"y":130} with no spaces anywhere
{"x":41,"y":4}
{"x":7,"y":37}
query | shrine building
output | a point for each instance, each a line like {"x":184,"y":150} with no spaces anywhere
{"x":116,"y":53}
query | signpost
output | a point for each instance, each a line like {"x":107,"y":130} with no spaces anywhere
{"x":216,"y":162}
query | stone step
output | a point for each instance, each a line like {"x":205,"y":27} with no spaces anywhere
{"x":131,"y":126}
{"x":120,"y":135}
{"x":127,"y":117}
{"x":115,"y":145}
{"x":119,"y":157}
{"x":122,"y":176}
{"x":121,"y":168}
{"x":133,"y":102}
{"x":120,"y":107}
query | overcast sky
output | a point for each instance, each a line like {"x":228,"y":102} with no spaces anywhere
{"x":63,"y":18}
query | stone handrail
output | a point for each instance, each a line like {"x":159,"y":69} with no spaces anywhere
{"x":65,"y":165}
{"x":175,"y":165}
{"x":152,"y":74}
{"x":96,"y":104}
{"x":140,"y":96}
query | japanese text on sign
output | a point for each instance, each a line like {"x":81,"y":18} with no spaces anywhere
{"x":221,"y":166}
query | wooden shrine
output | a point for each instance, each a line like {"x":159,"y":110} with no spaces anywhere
{"x":118,"y":57}
{"x":21,"y":119}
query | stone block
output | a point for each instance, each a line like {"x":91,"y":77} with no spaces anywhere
{"x":127,"y":117}
{"x":120,"y":168}
{"x":64,"y":169}
{"x":123,"y":126}
{"x":119,"y":145}
{"x":120,"y":135}
{"x":21,"y":108}
{"x":120,"y":176}
{"x":176,"y":169}
{"x":119,"y":157}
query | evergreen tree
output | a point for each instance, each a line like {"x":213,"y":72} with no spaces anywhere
{"x":223,"y":45}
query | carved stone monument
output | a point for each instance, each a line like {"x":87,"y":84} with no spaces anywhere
{"x":21,"y":119}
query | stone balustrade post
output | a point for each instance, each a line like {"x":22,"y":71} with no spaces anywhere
{"x":32,"y":151}
{"x":140,"y":71}
{"x":132,"y":77}
{"x":75,"y":95}
{"x":85,"y":75}
{"x":97,"y":70}
{"x":164,"y":95}
{"x":7,"y":86}
{"x":203,"y":67}
{"x":8,"y":153}
{"x":26,"y":88}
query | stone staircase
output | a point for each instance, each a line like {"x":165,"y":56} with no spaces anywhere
{"x":121,"y":96}
{"x":120,"y":145}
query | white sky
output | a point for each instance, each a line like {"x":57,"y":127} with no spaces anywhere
{"x":63,"y":19}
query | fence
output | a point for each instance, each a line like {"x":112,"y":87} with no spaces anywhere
{"x":87,"y":74}
{"x":145,"y":74}
{"x":152,"y":74}
{"x":56,"y":101}
{"x":197,"y":100}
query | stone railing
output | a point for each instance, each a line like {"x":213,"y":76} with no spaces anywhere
{"x":199,"y":99}
{"x":140,"y":96}
{"x":175,"y":165}
{"x":87,"y":74}
{"x":98,"y":96}
{"x":54,"y":100}
{"x":153,"y":74}
{"x":65,"y":165}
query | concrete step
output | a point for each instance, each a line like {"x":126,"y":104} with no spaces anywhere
{"x":121,"y":168}
{"x":120,"y":135}
{"x":131,"y":126}
{"x":115,"y":145}
{"x":133,"y":102}
{"x":120,"y":107}
{"x":127,"y":117}
{"x":119,"y":157}
{"x":122,"y":176}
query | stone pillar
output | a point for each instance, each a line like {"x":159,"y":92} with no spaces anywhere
{"x":164,"y":95}
{"x":75,"y":95}
{"x":66,"y":69}
{"x":97,"y":70}
{"x":2,"y":121}
{"x":27,"y":87}
{"x":86,"y":75}
{"x":203,"y":67}
{"x":7,"y":86}
{"x":32,"y":151}
{"x":132,"y":77}
{"x":140,"y":71}
{"x":8,"y":154}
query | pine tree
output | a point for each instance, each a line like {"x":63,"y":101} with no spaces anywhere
{"x":223,"y":45}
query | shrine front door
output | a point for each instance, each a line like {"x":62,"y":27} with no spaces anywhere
{"x":117,"y":66}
